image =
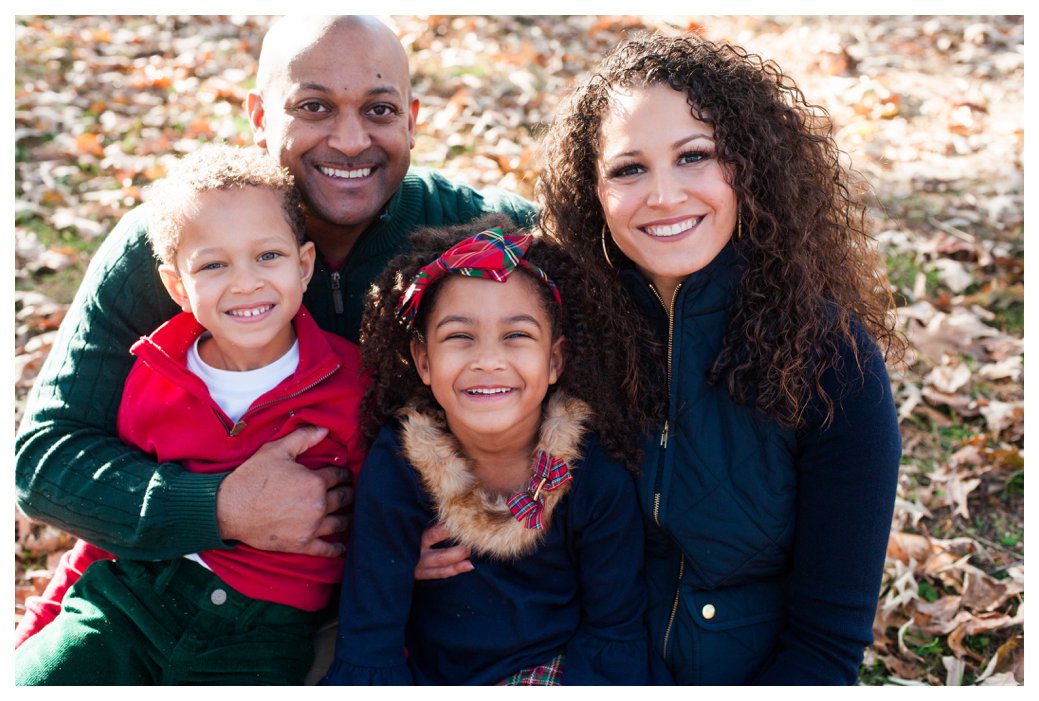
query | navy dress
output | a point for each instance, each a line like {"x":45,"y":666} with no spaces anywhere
{"x":580,"y":593}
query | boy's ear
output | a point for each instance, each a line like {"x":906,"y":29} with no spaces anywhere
{"x":307,"y":253}
{"x":557,"y":360}
{"x":421,"y":357}
{"x":174,"y":285}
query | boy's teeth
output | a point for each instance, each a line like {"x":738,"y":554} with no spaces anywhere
{"x":255,"y":311}
{"x":672,"y":229}
{"x":338,"y":173}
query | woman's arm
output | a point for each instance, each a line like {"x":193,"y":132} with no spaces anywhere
{"x":847,"y":475}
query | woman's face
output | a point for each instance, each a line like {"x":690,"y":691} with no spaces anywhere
{"x":666,"y":197}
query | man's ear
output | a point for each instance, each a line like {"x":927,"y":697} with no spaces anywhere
{"x":420,"y":355}
{"x":412,"y":120}
{"x":557,"y":360}
{"x":173,"y":283}
{"x":257,"y":117}
{"x":307,"y":252}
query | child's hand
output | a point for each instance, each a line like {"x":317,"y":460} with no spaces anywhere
{"x":441,"y":563}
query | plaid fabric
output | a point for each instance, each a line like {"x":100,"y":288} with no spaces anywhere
{"x":549,"y":473}
{"x":490,"y":255}
{"x":549,"y":674}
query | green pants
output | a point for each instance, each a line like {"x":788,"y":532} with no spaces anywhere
{"x":169,"y":622}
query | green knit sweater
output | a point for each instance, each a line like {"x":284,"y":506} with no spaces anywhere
{"x":73,"y":471}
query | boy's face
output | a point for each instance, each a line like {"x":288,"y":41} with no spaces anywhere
{"x":489,"y":358}
{"x":241,"y":273}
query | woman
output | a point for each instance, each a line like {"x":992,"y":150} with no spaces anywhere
{"x":701,"y":177}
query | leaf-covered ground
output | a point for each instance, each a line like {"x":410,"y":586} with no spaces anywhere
{"x":929,"y":109}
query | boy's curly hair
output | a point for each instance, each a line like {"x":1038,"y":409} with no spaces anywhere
{"x":600,"y":348}
{"x":811,"y":268}
{"x":215,"y":167}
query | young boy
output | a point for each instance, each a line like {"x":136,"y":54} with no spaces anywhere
{"x":243,"y":365}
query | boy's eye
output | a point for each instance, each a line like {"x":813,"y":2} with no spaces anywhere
{"x":211,"y":266}
{"x":269,"y":255}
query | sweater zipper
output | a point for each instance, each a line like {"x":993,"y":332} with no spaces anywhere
{"x":337,"y":293}
{"x":241,"y":424}
{"x":663,"y":448}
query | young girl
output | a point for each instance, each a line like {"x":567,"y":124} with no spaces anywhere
{"x":503,"y":381}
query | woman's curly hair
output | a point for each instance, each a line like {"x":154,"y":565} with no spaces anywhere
{"x":601,"y":365}
{"x":811,"y":270}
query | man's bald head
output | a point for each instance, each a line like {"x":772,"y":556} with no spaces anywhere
{"x":293,"y":35}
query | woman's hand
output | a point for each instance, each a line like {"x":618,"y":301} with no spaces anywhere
{"x":441,"y":563}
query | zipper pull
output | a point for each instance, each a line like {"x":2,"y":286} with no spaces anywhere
{"x":337,"y":294}
{"x":663,"y":436}
{"x":236,"y":429}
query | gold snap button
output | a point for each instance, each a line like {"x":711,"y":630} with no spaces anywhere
{"x":708,"y":611}
{"x":218,"y":597}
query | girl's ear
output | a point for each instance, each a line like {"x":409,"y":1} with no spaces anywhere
{"x":556,"y":360}
{"x":421,"y":357}
{"x":173,"y":283}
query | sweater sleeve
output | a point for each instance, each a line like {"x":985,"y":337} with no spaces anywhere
{"x":375,"y":599}
{"x":71,"y":469}
{"x":606,"y":533}
{"x":847,"y":476}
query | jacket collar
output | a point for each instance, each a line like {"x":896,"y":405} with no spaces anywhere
{"x":476,"y":518}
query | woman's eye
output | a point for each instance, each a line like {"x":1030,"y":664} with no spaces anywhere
{"x":626,"y":170}
{"x":693,"y":157}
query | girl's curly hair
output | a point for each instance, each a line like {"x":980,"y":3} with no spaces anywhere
{"x":811,"y":269}
{"x":601,"y":352}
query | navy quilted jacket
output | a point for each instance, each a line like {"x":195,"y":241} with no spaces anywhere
{"x":765,"y":547}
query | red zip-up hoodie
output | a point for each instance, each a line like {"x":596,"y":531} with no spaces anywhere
{"x":167,"y":412}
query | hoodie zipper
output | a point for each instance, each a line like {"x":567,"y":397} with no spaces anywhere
{"x":241,"y":423}
{"x":663,"y":448}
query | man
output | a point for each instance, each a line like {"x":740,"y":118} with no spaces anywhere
{"x":333,"y":103}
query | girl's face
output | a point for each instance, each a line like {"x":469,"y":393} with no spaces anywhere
{"x":489,"y":358}
{"x":666,"y":197}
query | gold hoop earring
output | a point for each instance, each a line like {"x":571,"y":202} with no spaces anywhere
{"x":739,"y":225}
{"x":605,"y":253}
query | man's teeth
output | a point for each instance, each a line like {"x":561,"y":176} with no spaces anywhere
{"x":255,"y":311}
{"x":672,"y":229}
{"x":337,"y":173}
{"x":500,"y":390}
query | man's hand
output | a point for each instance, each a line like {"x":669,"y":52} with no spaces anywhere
{"x":441,"y":563}
{"x":271,"y":502}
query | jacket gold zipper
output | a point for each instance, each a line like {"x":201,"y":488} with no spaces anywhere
{"x":663,"y":445}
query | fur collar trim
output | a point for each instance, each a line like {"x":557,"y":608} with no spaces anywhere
{"x":477,"y":519}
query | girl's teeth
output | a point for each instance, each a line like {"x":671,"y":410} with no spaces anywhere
{"x":488,"y":391}
{"x":337,"y":173}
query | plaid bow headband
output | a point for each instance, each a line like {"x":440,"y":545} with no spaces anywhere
{"x":490,"y":255}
